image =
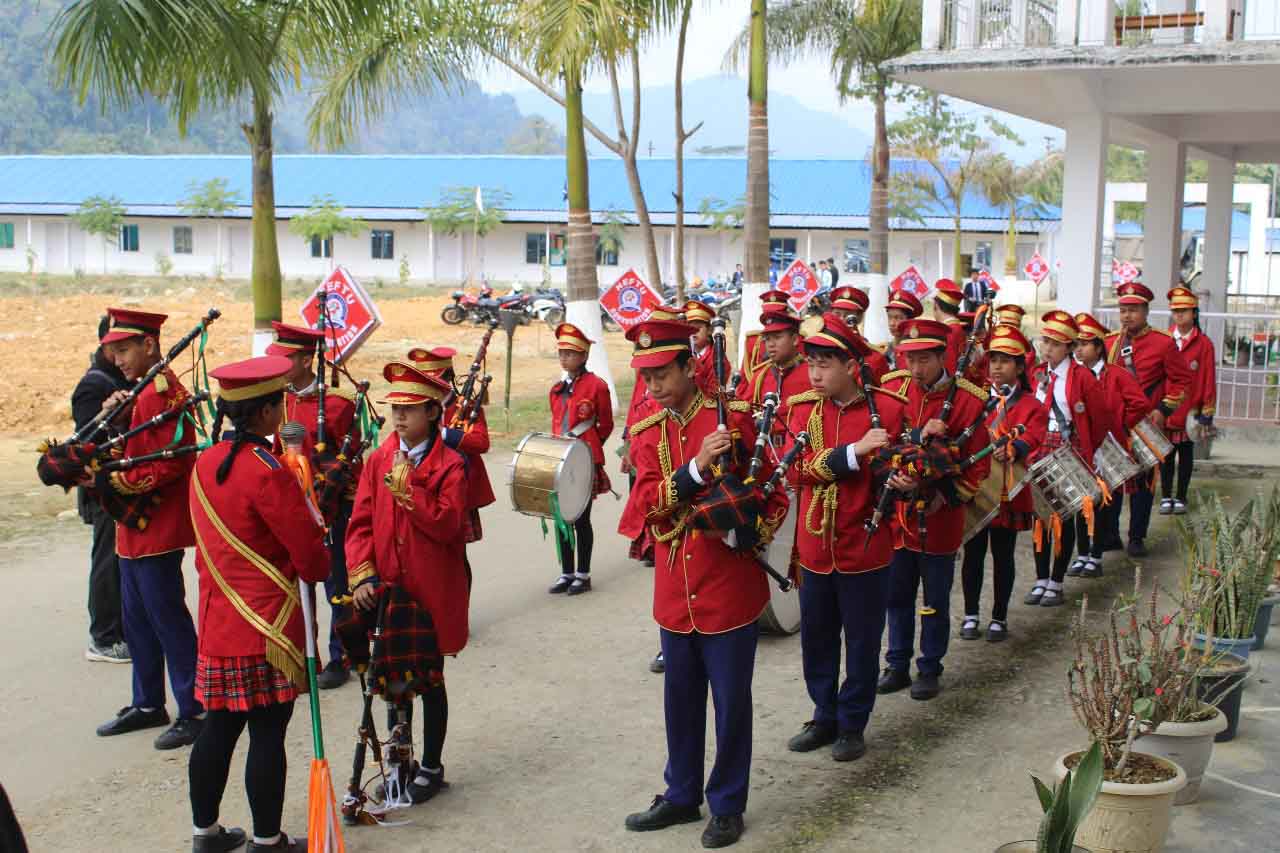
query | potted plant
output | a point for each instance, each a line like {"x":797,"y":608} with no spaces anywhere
{"x":1109,"y":686}
{"x":1065,"y":807}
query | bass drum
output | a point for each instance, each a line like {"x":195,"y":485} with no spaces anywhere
{"x":782,"y":614}
{"x":547,"y":467}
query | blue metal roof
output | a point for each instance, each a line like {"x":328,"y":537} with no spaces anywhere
{"x":384,"y":184}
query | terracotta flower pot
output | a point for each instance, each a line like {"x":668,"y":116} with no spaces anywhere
{"x":1190,"y":746}
{"x":1128,"y":818}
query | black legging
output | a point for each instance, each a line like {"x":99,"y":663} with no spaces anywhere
{"x":1105,"y":518}
{"x":1064,"y":556}
{"x":586,"y":539}
{"x":264,"y":771}
{"x":1185,"y":452}
{"x":1002,"y":541}
{"x":435,"y":723}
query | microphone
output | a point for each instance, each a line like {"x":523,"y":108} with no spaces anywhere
{"x":292,"y":436}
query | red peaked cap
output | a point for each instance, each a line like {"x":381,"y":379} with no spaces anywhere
{"x":126,"y":323}
{"x":253,"y":377}
{"x":920,"y":334}
{"x":837,"y":334}
{"x":293,"y":339}
{"x":659,"y":342}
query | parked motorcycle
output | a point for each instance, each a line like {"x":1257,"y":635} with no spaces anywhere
{"x":466,"y":306}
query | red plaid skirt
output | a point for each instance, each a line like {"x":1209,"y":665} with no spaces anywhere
{"x":241,"y":683}
{"x":1009,"y":519}
{"x":1052,"y":441}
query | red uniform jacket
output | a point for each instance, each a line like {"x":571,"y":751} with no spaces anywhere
{"x":700,"y":584}
{"x":411,"y":534}
{"x":705,"y":370}
{"x":1202,"y":391}
{"x":879,"y":365}
{"x":261,"y":505}
{"x":339,"y":415}
{"x":957,"y":337}
{"x":641,"y":406}
{"x":1155,"y":362}
{"x":945,"y":525}
{"x":1026,"y":410}
{"x":1090,"y":418}
{"x":786,"y":383}
{"x":587,"y":401}
{"x":169,"y":525}
{"x":835,"y":500}
{"x":1126,"y":405}
{"x":472,"y":443}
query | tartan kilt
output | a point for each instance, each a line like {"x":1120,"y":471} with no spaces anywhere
{"x":1052,"y":441}
{"x":409,"y":660}
{"x":602,"y":484}
{"x":1177,"y":436}
{"x":241,"y":683}
{"x":473,"y":531}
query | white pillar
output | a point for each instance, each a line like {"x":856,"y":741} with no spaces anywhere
{"x":1173,"y":35}
{"x":431,"y":253}
{"x":1084,"y":177}
{"x":931,"y":25}
{"x":1217,"y":241}
{"x":1068,"y":12}
{"x":1162,"y":224}
{"x":808,"y":248}
{"x":965,"y":20}
{"x":1096,"y":21}
{"x":1259,"y":199}
{"x":1217,"y":20}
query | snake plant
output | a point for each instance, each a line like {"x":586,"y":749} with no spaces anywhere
{"x":1068,"y":804}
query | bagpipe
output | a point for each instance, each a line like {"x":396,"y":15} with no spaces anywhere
{"x":63,"y":463}
{"x":331,"y":475}
{"x":471,"y":396}
{"x":132,"y":510}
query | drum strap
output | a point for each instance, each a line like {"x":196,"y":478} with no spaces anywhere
{"x":1126,"y":354}
{"x":1064,"y":426}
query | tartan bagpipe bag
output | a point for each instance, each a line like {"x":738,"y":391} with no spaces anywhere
{"x":729,"y":505}
{"x":64,"y":464}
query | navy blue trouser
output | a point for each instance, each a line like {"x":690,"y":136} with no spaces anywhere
{"x":854,"y":604}
{"x":159,"y":631}
{"x":907,"y":571}
{"x":726,"y":663}
{"x":336,"y":583}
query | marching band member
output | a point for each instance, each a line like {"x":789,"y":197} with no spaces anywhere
{"x":1198,"y":403}
{"x":901,"y":306}
{"x":255,"y":536}
{"x":406,"y":541}
{"x":157,"y":625}
{"x":1007,"y":367}
{"x":947,"y":300}
{"x":301,"y":405}
{"x":1078,"y":416}
{"x":782,"y":372}
{"x":1126,"y":405}
{"x":929,"y":556}
{"x":850,"y":305}
{"x":843,"y":579}
{"x":698,"y":315}
{"x":707,"y":594}
{"x":581,"y":408}
{"x":1154,"y":360}
{"x":471,"y":440}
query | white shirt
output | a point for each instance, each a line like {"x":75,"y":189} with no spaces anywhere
{"x":414,"y":453}
{"x":1059,"y":396}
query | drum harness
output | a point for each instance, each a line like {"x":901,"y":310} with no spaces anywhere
{"x":1067,"y":429}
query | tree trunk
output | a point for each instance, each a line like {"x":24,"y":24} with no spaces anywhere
{"x":265,"y":276}
{"x":957,"y":273}
{"x":628,"y":146}
{"x":681,"y":137}
{"x":756,"y":220}
{"x":880,"y":185}
{"x":1011,"y":243}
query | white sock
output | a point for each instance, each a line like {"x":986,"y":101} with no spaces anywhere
{"x":971,"y":617}
{"x":267,"y":842}
{"x":566,"y":577}
{"x":1054,"y":586}
{"x":582,"y":576}
{"x":207,"y":831}
{"x":146,"y":710}
{"x":995,"y":625}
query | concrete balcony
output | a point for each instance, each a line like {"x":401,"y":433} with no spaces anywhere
{"x":1137,"y":25}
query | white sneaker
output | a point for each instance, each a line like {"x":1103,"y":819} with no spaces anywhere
{"x":114,"y":653}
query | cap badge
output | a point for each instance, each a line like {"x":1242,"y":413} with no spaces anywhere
{"x":397,"y":370}
{"x":645,"y":340}
{"x":915,"y":331}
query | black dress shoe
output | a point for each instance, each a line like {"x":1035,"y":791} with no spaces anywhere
{"x":1113,"y":543}
{"x":1136,"y":548}
{"x":661,"y":814}
{"x":722,"y":830}
{"x":969,"y":630}
{"x":285,"y":843}
{"x":181,"y":733}
{"x":997,"y":635}
{"x":892,"y":680}
{"x":561,"y":585}
{"x":333,"y":675}
{"x":1033,"y":597}
{"x":225,"y":841}
{"x":925,"y":688}
{"x":132,"y":720}
{"x":579,"y":586}
{"x":812,"y":736}
{"x":420,"y":793}
{"x":659,"y":664}
{"x":849,"y":746}
{"x":1092,"y":569}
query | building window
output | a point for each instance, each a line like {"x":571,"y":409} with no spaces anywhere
{"x":322,"y":248}
{"x":782,"y":251}
{"x":182,"y":239}
{"x":605,"y":257}
{"x":857,"y":256}
{"x":384,"y":245}
{"x":982,"y":255}
{"x":6,"y":235}
{"x":535,"y":248}
{"x":129,"y":238}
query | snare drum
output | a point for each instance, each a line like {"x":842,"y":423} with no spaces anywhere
{"x":782,"y":614}
{"x":1060,"y":482}
{"x":1113,"y":465}
{"x":985,"y":506}
{"x":1149,"y":444}
{"x":551,"y":465}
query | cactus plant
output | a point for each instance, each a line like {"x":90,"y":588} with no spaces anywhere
{"x":1067,"y":805}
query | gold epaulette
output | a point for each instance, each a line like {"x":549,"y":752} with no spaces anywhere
{"x":894,"y":374}
{"x":348,"y":394}
{"x":966,"y":385}
{"x":643,"y":424}
{"x":161,"y":383}
{"x":901,"y":398}
{"x":737,"y":406}
{"x":810,"y":396}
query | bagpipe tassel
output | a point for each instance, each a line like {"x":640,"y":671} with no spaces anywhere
{"x":1057,"y":534}
{"x":1087,"y":510}
{"x":1106,"y":492}
{"x":1037,"y":535}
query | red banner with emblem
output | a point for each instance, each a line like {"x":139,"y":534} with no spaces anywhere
{"x":800,"y":284}
{"x":349,"y":315}
{"x":911,"y":281}
{"x":629,"y":300}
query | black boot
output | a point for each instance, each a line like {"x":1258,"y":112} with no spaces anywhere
{"x":925,"y":688}
{"x":892,"y":680}
{"x":812,"y":736}
{"x":722,"y":830}
{"x":849,"y":746}
{"x":662,"y":814}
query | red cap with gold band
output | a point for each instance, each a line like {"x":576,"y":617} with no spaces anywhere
{"x":1008,"y":340}
{"x":1134,"y":293}
{"x":776,"y":313}
{"x":849,"y":298}
{"x":658,"y":342}
{"x":253,"y":377}
{"x":920,"y":334}
{"x":1089,"y":329}
{"x":410,"y":386}
{"x":126,"y":323}
{"x":569,"y":336}
{"x":901,"y":300}
{"x":836,"y":334}
{"x":293,"y":339}
{"x":695,"y":312}
{"x":1182,"y":297}
{"x":433,"y":360}
{"x":1011,"y":314}
{"x":1059,"y":326}
{"x":945,"y":290}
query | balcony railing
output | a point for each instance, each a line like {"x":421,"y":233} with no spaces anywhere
{"x":979,"y":24}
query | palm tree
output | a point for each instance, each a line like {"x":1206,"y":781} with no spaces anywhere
{"x":756,"y":220}
{"x":1020,"y":189}
{"x":197,"y":54}
{"x":860,"y":37}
